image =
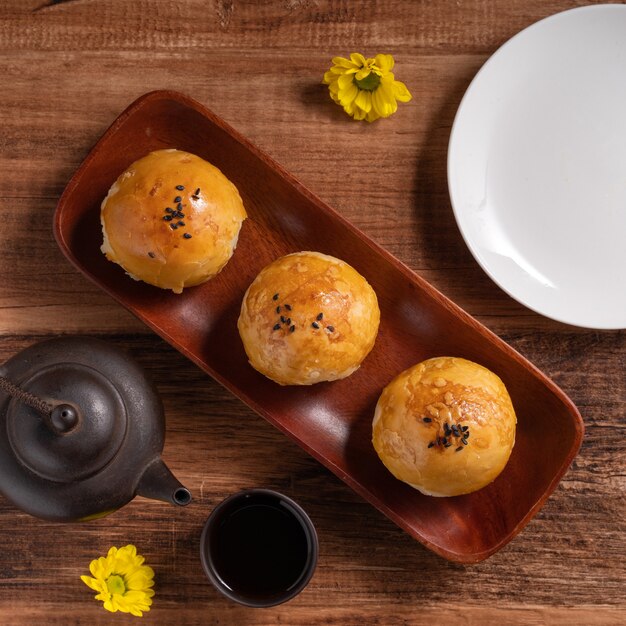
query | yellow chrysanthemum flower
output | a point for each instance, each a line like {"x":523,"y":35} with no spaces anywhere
{"x":122,"y":581}
{"x":365,"y":88}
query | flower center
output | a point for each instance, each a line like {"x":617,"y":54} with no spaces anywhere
{"x":115,"y":584}
{"x":369,"y":83}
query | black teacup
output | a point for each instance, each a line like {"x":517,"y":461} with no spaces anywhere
{"x":259,"y":548}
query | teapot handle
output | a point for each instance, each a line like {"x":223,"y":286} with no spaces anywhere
{"x":60,"y":417}
{"x":33,"y":401}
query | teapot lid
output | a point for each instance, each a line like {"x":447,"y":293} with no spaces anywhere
{"x":102,"y":407}
{"x":87,"y":429}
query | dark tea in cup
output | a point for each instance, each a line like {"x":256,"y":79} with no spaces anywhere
{"x":259,"y":548}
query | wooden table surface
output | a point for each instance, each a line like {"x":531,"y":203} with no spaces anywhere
{"x":67,"y":69}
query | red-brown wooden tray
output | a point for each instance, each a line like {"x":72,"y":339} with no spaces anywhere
{"x":331,"y":421}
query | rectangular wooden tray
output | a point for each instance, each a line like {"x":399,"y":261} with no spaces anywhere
{"x":331,"y":421}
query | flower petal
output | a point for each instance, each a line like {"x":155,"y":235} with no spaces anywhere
{"x":103,"y":597}
{"x":346,"y":96}
{"x":338,"y":71}
{"x":383,"y":102}
{"x":385,"y":62}
{"x":136,"y":597}
{"x":401,"y":92}
{"x":350,"y":108}
{"x":140,"y":579}
{"x":358,"y":113}
{"x":110,"y":605}
{"x":94,"y":583}
{"x":362,"y":73}
{"x":342,"y":62}
{"x":364,"y":100}
{"x":358,"y":59}
{"x":345,"y":80}
{"x":371,"y":116}
{"x":129,"y":557}
{"x":100,"y":568}
{"x":90,"y":582}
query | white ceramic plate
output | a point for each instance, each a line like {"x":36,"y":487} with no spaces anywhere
{"x":537,"y":167}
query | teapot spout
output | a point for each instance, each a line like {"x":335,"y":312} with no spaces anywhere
{"x":158,"y":483}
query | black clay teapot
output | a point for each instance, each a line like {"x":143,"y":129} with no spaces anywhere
{"x":81,"y":431}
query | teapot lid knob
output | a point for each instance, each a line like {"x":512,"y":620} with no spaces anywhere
{"x":63,"y":418}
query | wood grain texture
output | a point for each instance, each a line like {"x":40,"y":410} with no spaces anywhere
{"x":66,"y":71}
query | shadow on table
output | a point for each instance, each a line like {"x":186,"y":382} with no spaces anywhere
{"x":444,"y":249}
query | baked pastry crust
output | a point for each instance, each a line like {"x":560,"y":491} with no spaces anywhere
{"x":307,"y":318}
{"x":413,"y":434}
{"x":167,"y":243}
